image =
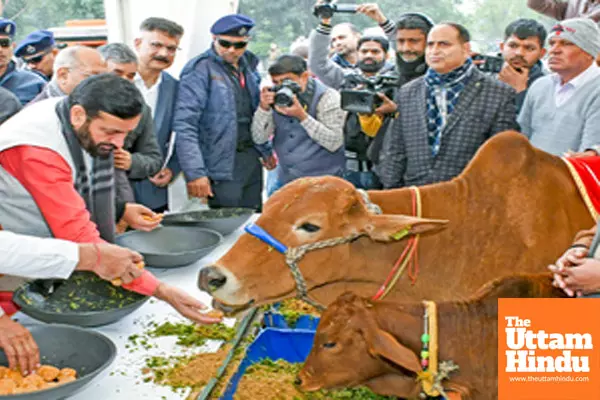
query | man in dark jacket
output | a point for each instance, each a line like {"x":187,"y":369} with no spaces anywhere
{"x":10,"y":105}
{"x":218,"y":95}
{"x":24,"y":84}
{"x":38,"y":51}
{"x":140,"y":157}
{"x":522,"y":50}
{"x":156,"y":46}
{"x":444,"y":116}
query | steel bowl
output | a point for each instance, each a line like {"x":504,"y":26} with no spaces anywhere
{"x":39,"y":305}
{"x":222,"y":220}
{"x":87,"y":352}
{"x":171,"y":246}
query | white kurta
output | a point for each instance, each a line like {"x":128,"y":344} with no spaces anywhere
{"x":36,"y":258}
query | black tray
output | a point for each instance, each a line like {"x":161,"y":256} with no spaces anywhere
{"x":222,"y":220}
{"x":36,"y":305}
{"x":87,"y":352}
{"x":171,"y":246}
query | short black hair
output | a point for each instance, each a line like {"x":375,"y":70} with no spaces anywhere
{"x":288,"y":63}
{"x":171,"y":28}
{"x":415,"y":21}
{"x":107,"y":93}
{"x":463,"y":33}
{"x":524,"y":28}
{"x":385,"y":44}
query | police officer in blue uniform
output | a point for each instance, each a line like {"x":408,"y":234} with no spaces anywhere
{"x":24,"y":84}
{"x":38,"y":51}
{"x":218,"y":95}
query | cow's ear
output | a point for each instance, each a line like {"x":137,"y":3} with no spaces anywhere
{"x":382,"y":344}
{"x":389,"y":227}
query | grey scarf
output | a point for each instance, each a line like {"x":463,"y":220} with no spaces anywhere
{"x":53,"y":90}
{"x":98,"y":194}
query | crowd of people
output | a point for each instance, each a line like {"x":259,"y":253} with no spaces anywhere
{"x":90,"y":139}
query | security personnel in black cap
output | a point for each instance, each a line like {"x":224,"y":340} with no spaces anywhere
{"x":24,"y":84}
{"x":218,"y":94}
{"x":38,"y":51}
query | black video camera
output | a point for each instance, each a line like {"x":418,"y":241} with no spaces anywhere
{"x":285,"y":91}
{"x":490,"y":63}
{"x":327,"y":9}
{"x":359,"y":93}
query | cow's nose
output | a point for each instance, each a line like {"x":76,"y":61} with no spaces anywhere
{"x":298,"y":381}
{"x":210,"y":279}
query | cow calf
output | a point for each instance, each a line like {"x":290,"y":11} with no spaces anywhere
{"x":377,"y":344}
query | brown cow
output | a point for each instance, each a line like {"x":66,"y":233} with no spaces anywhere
{"x":377,"y":344}
{"x":513,"y":209}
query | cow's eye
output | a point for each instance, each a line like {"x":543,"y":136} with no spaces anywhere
{"x":329,"y":345}
{"x":308,"y":227}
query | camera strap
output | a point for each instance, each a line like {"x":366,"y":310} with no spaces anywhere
{"x":305,"y":98}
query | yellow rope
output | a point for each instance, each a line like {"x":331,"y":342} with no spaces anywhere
{"x":418,"y":196}
{"x":428,"y":381}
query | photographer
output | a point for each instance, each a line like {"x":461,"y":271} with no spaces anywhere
{"x":305,"y":119}
{"x":364,"y":129}
{"x":522,"y":50}
{"x":326,"y":69}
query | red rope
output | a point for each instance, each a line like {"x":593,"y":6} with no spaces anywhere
{"x":392,"y":272}
{"x":412,"y":242}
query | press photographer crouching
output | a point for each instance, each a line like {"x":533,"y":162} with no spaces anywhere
{"x":304,"y":119}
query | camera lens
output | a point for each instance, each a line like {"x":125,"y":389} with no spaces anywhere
{"x":284,"y":97}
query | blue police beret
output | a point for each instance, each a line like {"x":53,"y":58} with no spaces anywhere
{"x":34,"y":44}
{"x":7,"y":27}
{"x":232,"y":25}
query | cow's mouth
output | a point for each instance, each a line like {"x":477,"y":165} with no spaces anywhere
{"x":231,"y":309}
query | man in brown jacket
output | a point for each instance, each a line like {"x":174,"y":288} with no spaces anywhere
{"x":574,"y":272}
{"x":565,"y":9}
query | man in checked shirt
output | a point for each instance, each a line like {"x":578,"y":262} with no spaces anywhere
{"x":307,"y":135}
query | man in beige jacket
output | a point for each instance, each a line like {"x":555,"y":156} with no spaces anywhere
{"x":565,"y":9}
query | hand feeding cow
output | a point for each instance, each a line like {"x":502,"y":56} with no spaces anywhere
{"x":377,"y":344}
{"x":513,"y":209}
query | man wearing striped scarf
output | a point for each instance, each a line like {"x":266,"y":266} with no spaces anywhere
{"x":444,"y":116}
{"x":56,"y":173}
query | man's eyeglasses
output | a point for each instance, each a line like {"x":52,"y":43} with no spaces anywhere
{"x":5,"y":42}
{"x":236,"y":45}
{"x":157,"y":46}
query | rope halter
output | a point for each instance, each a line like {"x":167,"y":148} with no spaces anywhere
{"x":293,"y":255}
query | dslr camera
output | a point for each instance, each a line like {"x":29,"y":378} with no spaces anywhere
{"x":491,"y":63}
{"x":285,"y":91}
{"x":359,"y":93}
{"x":328,"y":8}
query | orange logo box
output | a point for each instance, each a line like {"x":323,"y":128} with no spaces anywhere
{"x":548,"y":349}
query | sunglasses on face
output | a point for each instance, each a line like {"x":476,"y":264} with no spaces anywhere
{"x":236,"y":45}
{"x":5,"y":42}
{"x":36,"y":59}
